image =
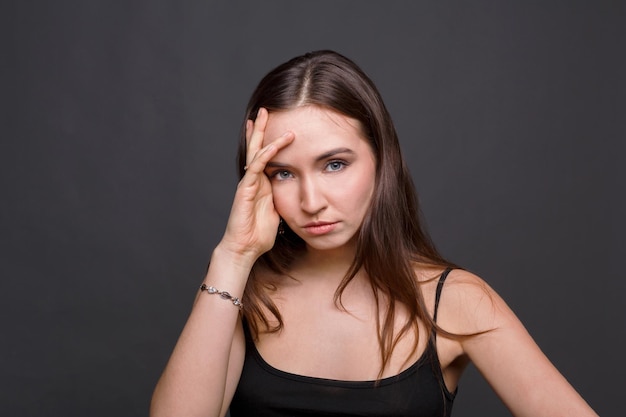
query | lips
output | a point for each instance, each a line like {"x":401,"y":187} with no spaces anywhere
{"x":319,"y":228}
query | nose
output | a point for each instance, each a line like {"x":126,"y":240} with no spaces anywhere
{"x":312,"y":198}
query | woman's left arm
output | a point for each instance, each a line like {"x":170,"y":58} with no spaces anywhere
{"x":505,"y":354}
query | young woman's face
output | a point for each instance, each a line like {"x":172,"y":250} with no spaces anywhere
{"x":323,"y":181}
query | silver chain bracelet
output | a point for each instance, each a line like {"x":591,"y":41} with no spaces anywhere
{"x":223,"y":295}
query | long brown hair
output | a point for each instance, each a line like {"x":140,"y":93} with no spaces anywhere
{"x":391,"y":239}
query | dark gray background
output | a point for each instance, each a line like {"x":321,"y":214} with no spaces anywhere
{"x":117,"y":171}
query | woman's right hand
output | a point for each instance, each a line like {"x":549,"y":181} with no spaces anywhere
{"x":253,"y":222}
{"x":202,"y":373}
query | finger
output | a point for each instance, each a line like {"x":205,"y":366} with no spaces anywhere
{"x":264,"y":155}
{"x":255,"y":142}
{"x":249,"y":126}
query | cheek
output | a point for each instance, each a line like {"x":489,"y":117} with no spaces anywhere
{"x":356,"y":194}
{"x":365,"y":192}
{"x":283,"y":199}
{"x":364,"y":183}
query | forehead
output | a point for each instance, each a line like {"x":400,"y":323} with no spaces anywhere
{"x":313,"y":124}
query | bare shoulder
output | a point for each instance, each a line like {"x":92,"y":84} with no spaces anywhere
{"x":468,"y":305}
{"x":498,"y":345}
{"x":503,"y":351}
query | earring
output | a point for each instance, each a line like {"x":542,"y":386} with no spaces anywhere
{"x":281,"y":227}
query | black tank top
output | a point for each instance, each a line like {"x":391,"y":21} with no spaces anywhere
{"x":418,"y":391}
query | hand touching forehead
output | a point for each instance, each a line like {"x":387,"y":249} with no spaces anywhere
{"x":317,"y":130}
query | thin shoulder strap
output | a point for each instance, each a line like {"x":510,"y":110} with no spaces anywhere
{"x":442,"y":279}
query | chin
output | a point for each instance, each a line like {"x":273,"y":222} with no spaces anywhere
{"x":330,"y":244}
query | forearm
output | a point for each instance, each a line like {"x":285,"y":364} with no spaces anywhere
{"x":194,"y":382}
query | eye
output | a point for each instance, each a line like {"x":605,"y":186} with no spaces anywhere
{"x":282,"y":175}
{"x":333,"y":166}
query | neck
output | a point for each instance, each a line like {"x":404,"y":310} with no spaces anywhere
{"x":330,"y":265}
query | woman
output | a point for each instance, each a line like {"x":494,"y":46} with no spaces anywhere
{"x":325,"y":296}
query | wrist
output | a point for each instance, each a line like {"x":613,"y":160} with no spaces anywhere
{"x":238,"y":263}
{"x":228,"y":272}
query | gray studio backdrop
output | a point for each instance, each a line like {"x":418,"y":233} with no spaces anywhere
{"x":117,"y":160}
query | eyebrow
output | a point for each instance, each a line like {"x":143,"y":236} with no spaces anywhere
{"x":321,"y":157}
{"x":333,"y":152}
